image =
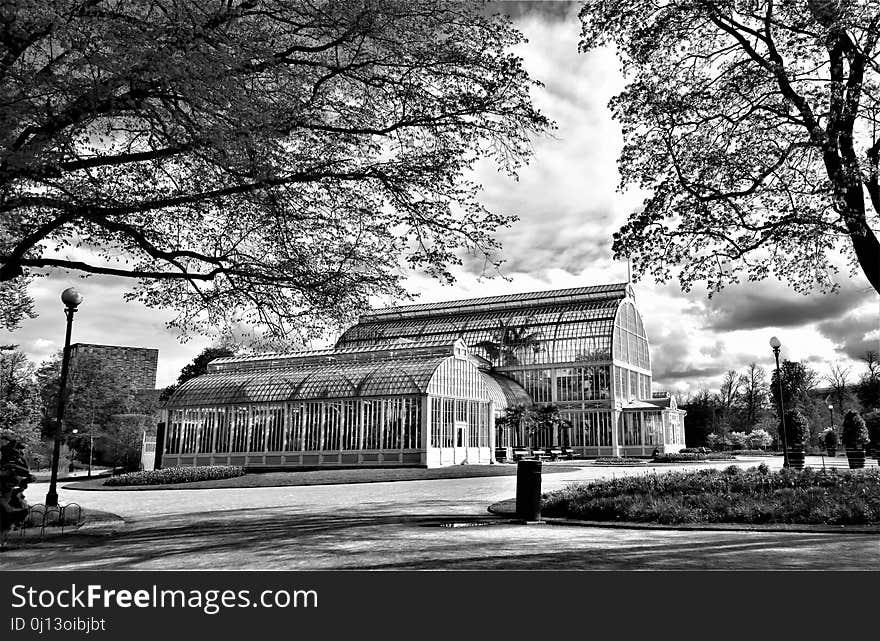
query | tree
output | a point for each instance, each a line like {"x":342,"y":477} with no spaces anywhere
{"x":96,"y":390}
{"x":753,"y":394}
{"x":728,"y":393}
{"x":254,"y":163}
{"x":19,"y":397}
{"x":509,"y":344}
{"x":838,"y":378}
{"x":868,"y":387}
{"x":197,"y":367}
{"x":519,"y":423}
{"x":550,"y":420}
{"x":701,"y":419}
{"x":754,"y":127}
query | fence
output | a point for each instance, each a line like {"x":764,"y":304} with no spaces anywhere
{"x":40,"y":517}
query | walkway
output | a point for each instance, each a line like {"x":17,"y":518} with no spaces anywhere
{"x":400,"y":526}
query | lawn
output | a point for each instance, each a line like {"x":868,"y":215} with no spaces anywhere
{"x":330,"y":477}
{"x":733,"y":495}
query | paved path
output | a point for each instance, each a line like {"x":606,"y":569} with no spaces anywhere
{"x":403,"y":525}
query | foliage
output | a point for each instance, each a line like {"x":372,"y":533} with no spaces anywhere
{"x":521,"y":421}
{"x":759,"y":439}
{"x":550,"y":418}
{"x":19,"y":397}
{"x":872,"y":422}
{"x":854,"y":433}
{"x":796,"y":429}
{"x":511,"y":345}
{"x":695,"y":450}
{"x":868,"y":388}
{"x":176,"y":475}
{"x":96,"y":389}
{"x":257,"y":166}
{"x":753,"y":127}
{"x":733,"y":495}
{"x":680,"y":457}
{"x":737,"y":440}
{"x":828,"y":438}
{"x":14,"y":476}
{"x":197,"y":367}
{"x":619,"y":460}
{"x":122,"y":440}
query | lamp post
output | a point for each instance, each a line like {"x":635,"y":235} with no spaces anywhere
{"x":831,"y":409}
{"x":776,"y":344}
{"x":71,"y":299}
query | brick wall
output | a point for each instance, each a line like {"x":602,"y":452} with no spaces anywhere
{"x":138,"y":362}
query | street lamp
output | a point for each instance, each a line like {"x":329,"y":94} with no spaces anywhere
{"x":776,"y":344}
{"x":831,"y":409}
{"x":71,"y":299}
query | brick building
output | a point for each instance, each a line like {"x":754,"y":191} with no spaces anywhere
{"x":139,"y":363}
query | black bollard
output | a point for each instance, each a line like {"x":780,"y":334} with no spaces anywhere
{"x":528,"y":490}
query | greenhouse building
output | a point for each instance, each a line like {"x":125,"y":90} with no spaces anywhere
{"x":423,"y":385}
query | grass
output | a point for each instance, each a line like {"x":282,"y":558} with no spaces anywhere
{"x":732,"y":495}
{"x":330,"y":477}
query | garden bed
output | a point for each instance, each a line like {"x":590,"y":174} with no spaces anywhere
{"x":732,"y":495}
{"x":176,"y":475}
{"x":619,"y":460}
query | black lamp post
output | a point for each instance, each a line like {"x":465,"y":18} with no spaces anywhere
{"x":775,"y":344}
{"x":831,"y":409}
{"x":71,"y":299}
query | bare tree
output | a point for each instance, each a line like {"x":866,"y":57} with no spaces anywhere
{"x":754,"y":393}
{"x":838,"y":378}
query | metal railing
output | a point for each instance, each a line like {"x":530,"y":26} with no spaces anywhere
{"x":41,"y":517}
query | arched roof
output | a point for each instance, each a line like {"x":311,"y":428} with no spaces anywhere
{"x":326,"y":374}
{"x":521,"y":329}
{"x":630,"y":341}
{"x":505,"y":392}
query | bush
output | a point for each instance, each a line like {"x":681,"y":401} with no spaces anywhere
{"x":796,"y":429}
{"x":733,"y":495}
{"x":759,"y":439}
{"x":854,"y":433}
{"x":176,"y":475}
{"x":695,"y":450}
{"x":680,"y":457}
{"x":872,"y":422}
{"x":828,"y":438}
{"x":737,"y":440}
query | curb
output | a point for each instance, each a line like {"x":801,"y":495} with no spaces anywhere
{"x":503,"y":509}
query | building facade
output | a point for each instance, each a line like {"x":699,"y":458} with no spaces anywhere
{"x":423,"y":385}
{"x":138,"y":364}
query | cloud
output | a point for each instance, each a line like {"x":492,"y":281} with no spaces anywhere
{"x":853,"y":334}
{"x":772,"y":304}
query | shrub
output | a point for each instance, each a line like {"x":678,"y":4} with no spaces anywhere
{"x":695,"y":450}
{"x":680,"y":457}
{"x":854,"y":433}
{"x":759,"y":439}
{"x":732,"y":495}
{"x":796,"y":429}
{"x":737,"y":440}
{"x":717,"y":441}
{"x":872,"y":422}
{"x":828,"y":438}
{"x":176,"y":475}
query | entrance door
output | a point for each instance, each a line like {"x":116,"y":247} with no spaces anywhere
{"x":460,"y":443}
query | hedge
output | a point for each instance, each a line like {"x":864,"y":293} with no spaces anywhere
{"x":732,"y":495}
{"x":176,"y":475}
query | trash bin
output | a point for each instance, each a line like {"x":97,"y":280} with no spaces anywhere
{"x":528,"y":490}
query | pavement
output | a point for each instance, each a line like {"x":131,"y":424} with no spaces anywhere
{"x":429,"y":524}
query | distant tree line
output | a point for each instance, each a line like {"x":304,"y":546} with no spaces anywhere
{"x":749,"y":400}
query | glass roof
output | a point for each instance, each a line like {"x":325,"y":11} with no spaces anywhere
{"x":550,"y":329}
{"x":391,"y":377}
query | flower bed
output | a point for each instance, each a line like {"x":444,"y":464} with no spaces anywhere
{"x":732,"y":495}
{"x":176,"y":475}
{"x":619,"y":460}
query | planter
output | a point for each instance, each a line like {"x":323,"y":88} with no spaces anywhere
{"x":832,"y":451}
{"x":796,"y":459}
{"x":856,"y":457}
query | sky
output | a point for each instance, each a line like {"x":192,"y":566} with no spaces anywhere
{"x":569,"y":207}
